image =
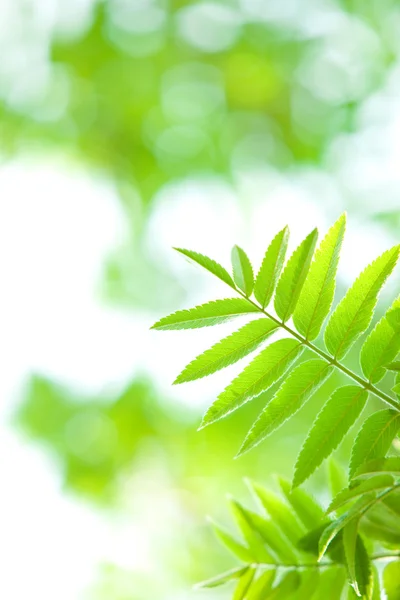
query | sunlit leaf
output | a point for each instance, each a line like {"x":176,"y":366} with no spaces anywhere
{"x":293,"y":277}
{"x":242,"y":270}
{"x":318,"y":291}
{"x":231,"y":543}
{"x":330,"y":426}
{"x":229,"y":350}
{"x":231,"y":575}
{"x":304,"y":505}
{"x":271,"y":268}
{"x":211,"y":313}
{"x":332,"y":530}
{"x":353,"y":314}
{"x":391,"y":580}
{"x":375,"y":437}
{"x":370,"y":485}
{"x":257,"y":377}
{"x":379,"y":349}
{"x":299,"y":386}
{"x":210,"y":265}
{"x":357,"y":560}
{"x":244,"y":584}
{"x":390,"y":465}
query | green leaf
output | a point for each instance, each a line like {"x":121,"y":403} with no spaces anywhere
{"x":330,"y":427}
{"x":332,"y":582}
{"x":244,"y":584}
{"x":394,"y":314}
{"x":271,"y":268}
{"x":397,"y":382}
{"x":332,"y":530}
{"x":357,"y":560}
{"x":232,"y":544}
{"x":229,"y":350}
{"x":293,"y":277}
{"x":337,"y":477}
{"x":242,"y":270}
{"x":279,"y":512}
{"x":391,"y":580}
{"x":310,"y":579}
{"x":374,"y":438}
{"x":396,"y":389}
{"x":379,"y":349}
{"x":376,"y":592}
{"x":265,"y":530}
{"x":390,"y":465}
{"x":370,"y":485}
{"x":257,"y":377}
{"x":260,"y":588}
{"x":299,"y":386}
{"x":286,"y":587}
{"x":255,"y":541}
{"x":210,"y":265}
{"x":393,"y":366}
{"x":317,"y":295}
{"x":211,"y":313}
{"x":223,"y":578}
{"x":304,"y":505}
{"x":353,"y":314}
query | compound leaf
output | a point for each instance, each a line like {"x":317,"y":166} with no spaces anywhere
{"x":353,"y":314}
{"x":229,"y":350}
{"x":242,"y":270}
{"x":271,"y":268}
{"x":374,"y":438}
{"x":331,"y":425}
{"x":210,"y":265}
{"x":293,"y":277}
{"x":300,"y":385}
{"x":318,"y":291}
{"x":258,"y":376}
{"x":205,"y":315}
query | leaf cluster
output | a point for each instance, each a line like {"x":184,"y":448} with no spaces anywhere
{"x":295,"y":299}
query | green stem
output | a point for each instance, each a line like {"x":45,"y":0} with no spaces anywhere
{"x":329,"y":359}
